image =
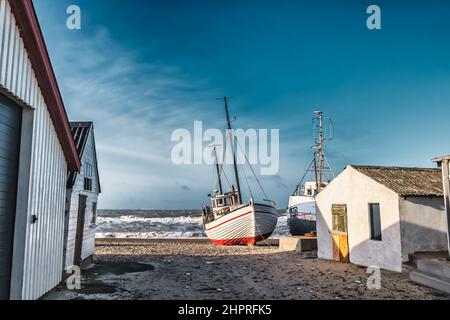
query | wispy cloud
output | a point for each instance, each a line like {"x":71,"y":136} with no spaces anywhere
{"x":136,"y":101}
{"x":135,"y":106}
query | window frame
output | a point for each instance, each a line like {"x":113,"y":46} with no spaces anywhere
{"x":339,"y":212}
{"x":87,"y":184}
{"x":373,"y":236}
{"x":89,"y":170}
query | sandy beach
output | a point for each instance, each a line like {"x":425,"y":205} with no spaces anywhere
{"x":196,"y":269}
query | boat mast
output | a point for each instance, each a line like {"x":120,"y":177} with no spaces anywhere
{"x":218,"y":171}
{"x":319,"y":155}
{"x":318,"y":162}
{"x":230,"y":132}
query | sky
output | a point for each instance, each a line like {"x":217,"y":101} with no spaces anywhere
{"x":142,"y":69}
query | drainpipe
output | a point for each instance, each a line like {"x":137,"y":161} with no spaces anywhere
{"x":446,"y":179}
{"x":444,"y":164}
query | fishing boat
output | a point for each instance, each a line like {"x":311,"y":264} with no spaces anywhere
{"x":230,"y":221}
{"x":301,"y":212}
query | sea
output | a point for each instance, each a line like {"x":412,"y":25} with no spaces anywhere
{"x":160,"y":224}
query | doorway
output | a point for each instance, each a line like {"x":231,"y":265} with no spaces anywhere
{"x":80,"y":230}
{"x":10,"y":127}
{"x":339,"y":233}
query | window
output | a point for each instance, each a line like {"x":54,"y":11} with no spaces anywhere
{"x":89,"y":170}
{"x":375,"y":222}
{"x":94,"y":213}
{"x":87,"y":184}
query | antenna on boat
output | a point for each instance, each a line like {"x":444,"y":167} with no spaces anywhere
{"x":230,"y":132}
{"x":319,"y":164}
{"x":319,"y":155}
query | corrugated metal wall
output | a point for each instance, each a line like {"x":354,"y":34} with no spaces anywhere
{"x":16,"y":73}
{"x":44,"y":241}
{"x":43,"y":257}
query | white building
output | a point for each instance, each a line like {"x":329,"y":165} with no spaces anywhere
{"x":83,"y":189}
{"x":378,"y":216}
{"x":36,"y":151}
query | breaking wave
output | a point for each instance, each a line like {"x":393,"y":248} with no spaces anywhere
{"x":158,"y":224}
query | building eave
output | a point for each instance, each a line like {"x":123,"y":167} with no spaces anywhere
{"x":441,"y":159}
{"x":28,"y":24}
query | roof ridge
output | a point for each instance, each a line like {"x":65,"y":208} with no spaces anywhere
{"x":394,"y":167}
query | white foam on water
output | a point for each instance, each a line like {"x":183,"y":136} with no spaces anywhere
{"x":135,"y":227}
{"x":147,"y":235}
{"x":166,"y":220}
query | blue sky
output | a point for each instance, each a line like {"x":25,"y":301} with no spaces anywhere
{"x":140,"y":69}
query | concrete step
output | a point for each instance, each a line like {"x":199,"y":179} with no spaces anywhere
{"x":432,"y":281}
{"x":436,"y":267}
{"x":299,"y":244}
{"x":269,"y":242}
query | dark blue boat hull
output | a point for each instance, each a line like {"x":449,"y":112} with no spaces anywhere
{"x":300,"y":227}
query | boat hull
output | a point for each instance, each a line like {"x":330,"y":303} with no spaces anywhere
{"x":301,"y":215}
{"x":300,"y":227}
{"x":244,"y":226}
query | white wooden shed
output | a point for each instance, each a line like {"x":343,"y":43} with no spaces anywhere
{"x":36,"y":151}
{"x":83,"y":189}
{"x":378,"y":216}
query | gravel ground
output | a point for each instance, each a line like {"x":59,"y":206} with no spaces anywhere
{"x":197,"y":270}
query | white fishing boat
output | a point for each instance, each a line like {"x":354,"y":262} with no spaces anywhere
{"x":301,"y":212}
{"x":230,"y":221}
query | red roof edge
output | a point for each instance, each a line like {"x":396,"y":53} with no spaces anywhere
{"x":33,"y":39}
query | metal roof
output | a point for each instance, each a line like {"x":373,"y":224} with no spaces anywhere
{"x":80,"y":132}
{"x":406,"y":181}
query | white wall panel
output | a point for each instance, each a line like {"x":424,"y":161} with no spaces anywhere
{"x":43,"y":252}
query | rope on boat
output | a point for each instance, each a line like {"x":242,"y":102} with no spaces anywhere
{"x":329,"y":166}
{"x":251,"y":168}
{"x":259,"y":183}
{"x":246,"y":181}
{"x":222,"y":170}
{"x":304,"y":176}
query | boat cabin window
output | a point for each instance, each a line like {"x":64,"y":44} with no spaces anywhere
{"x":218,"y":203}
{"x":224,"y":200}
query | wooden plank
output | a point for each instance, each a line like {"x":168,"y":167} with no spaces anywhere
{"x":336,"y":250}
{"x":343,"y":249}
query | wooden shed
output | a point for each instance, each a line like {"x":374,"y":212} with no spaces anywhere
{"x":36,"y":151}
{"x":83,"y":189}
